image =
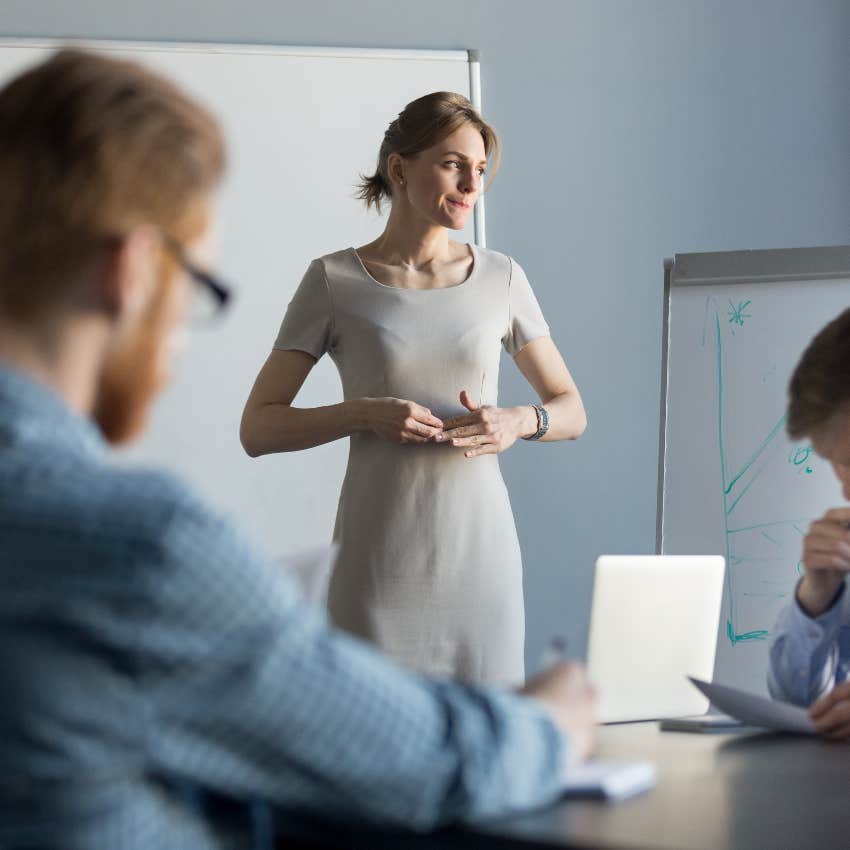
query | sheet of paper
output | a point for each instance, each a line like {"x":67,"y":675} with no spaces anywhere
{"x":613,"y":780}
{"x":312,"y":569}
{"x":757,"y":711}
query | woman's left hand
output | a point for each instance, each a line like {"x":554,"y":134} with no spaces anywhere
{"x":488,"y":430}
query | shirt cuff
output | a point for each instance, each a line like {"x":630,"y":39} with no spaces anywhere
{"x":816,"y":630}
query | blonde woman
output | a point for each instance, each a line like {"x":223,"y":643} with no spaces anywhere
{"x":429,"y":566}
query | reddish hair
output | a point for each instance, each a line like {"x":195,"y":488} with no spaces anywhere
{"x":90,"y":147}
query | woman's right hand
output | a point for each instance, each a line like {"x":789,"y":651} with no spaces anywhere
{"x":399,"y":421}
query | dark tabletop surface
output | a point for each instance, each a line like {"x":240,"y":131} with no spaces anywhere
{"x":748,"y":791}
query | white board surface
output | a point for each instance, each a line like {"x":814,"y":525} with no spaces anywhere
{"x":734,"y":484}
{"x":301,"y":125}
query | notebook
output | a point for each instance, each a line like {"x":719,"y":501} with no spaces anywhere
{"x":609,"y":779}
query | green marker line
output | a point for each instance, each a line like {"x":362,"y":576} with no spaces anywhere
{"x":726,"y":489}
{"x":720,"y":405}
{"x":791,"y":522}
{"x":767,"y":559}
{"x":767,"y":441}
{"x":730,"y":625}
{"x":743,"y":492}
{"x":758,"y":634}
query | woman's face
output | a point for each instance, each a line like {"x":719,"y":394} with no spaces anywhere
{"x":443,"y":182}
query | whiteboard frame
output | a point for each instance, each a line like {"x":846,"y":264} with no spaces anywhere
{"x":471,"y":57}
{"x":132,"y":46}
{"x":662,"y":426}
{"x":775,"y":265}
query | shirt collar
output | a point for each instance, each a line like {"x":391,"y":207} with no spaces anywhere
{"x":34,"y":411}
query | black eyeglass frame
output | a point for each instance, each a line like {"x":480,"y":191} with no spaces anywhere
{"x":221,"y":292}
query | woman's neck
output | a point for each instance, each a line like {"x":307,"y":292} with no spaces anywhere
{"x":410,"y":242}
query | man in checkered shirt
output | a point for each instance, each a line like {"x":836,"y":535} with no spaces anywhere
{"x":151,"y":658}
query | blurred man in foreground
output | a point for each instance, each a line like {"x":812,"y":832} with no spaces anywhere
{"x":150,"y":655}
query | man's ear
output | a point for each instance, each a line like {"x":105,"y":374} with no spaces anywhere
{"x":129,"y":272}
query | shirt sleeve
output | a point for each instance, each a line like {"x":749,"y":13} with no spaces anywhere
{"x":254,"y":695}
{"x":525,"y":318}
{"x":308,"y":322}
{"x":805,"y":653}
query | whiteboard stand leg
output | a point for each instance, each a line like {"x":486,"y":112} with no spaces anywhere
{"x":475,"y":100}
{"x":662,"y":419}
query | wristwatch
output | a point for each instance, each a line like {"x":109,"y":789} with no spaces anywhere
{"x":542,"y":422}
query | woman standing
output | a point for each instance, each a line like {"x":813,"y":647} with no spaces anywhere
{"x":429,"y":565}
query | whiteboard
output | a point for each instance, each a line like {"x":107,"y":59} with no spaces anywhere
{"x":301,"y":125}
{"x":731,"y":481}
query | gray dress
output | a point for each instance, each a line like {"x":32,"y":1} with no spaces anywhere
{"x":429,"y":566}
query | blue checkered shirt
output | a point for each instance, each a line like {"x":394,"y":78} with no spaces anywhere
{"x":152,"y":660}
{"x":809,"y":656}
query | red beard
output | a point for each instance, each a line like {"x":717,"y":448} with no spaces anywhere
{"x":137,"y":369}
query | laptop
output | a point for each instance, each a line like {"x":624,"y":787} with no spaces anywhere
{"x":653,"y":623}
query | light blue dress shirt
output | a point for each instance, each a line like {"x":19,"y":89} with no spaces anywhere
{"x":809,"y":656}
{"x":151,"y":657}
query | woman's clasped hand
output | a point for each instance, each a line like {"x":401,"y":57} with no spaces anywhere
{"x":485,"y":429}
{"x":400,"y":421}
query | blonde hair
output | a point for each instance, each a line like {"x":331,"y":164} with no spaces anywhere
{"x":425,"y":122}
{"x":91,"y":146}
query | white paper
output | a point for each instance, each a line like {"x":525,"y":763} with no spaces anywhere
{"x":614,"y":780}
{"x":757,"y":711}
{"x":311,"y":568}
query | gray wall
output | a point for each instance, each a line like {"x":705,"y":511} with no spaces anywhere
{"x":632,"y":130}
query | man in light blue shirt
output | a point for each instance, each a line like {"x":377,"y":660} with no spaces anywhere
{"x":810,"y":653}
{"x":151,"y":658}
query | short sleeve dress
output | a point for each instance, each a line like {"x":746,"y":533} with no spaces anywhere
{"x":429,"y":565}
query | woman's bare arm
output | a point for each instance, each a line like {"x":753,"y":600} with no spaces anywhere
{"x":271,"y":424}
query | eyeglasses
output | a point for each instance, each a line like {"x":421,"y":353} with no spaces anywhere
{"x":216,"y":294}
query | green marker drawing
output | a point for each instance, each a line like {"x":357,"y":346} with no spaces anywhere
{"x":737,"y":314}
{"x":736,"y":483}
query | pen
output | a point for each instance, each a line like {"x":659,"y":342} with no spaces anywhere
{"x":555,"y":652}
